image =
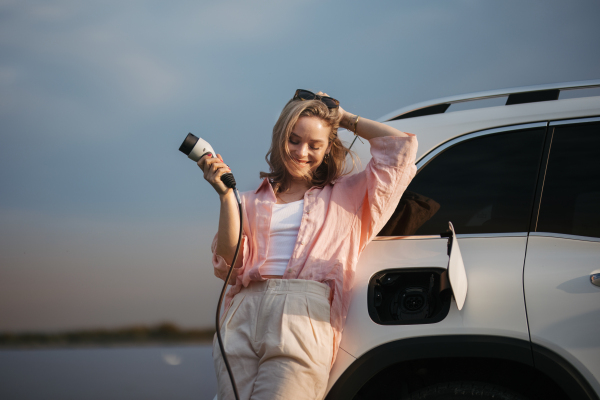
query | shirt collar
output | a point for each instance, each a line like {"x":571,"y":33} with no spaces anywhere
{"x":263,"y":186}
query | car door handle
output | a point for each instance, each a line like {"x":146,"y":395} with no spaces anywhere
{"x":595,"y":279}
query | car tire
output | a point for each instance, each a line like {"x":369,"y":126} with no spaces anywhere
{"x":464,"y":391}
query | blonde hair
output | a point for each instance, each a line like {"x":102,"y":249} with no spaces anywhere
{"x":280,"y":160}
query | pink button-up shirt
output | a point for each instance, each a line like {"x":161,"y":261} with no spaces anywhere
{"x":338,"y":221}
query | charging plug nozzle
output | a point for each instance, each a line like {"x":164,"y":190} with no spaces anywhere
{"x":196,"y":148}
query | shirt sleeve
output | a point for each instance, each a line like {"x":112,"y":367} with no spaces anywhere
{"x":221,"y":268}
{"x":383,"y":181}
{"x":220,"y":265}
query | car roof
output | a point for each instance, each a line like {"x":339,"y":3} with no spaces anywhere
{"x":435,"y":129}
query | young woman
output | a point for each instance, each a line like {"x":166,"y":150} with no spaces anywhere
{"x":304,"y":229}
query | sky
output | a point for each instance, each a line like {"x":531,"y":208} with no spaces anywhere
{"x":103,"y":223}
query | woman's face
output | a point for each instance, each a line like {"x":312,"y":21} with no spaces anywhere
{"x":309,"y":142}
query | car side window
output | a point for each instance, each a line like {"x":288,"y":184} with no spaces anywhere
{"x":483,"y":185}
{"x":571,"y":193}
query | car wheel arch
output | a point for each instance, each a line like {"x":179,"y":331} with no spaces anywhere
{"x":375,"y":361}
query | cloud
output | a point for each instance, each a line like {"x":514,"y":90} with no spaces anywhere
{"x":134,"y":53}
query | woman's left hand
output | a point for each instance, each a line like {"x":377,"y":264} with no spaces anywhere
{"x":341,"y":112}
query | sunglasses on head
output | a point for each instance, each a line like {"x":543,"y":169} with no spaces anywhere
{"x":302,"y":94}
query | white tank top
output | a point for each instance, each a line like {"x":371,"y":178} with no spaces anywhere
{"x":285,"y":224}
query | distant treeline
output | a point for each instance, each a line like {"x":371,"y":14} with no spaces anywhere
{"x":163,"y":333}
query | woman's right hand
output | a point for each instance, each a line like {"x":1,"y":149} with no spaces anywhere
{"x":213,"y":168}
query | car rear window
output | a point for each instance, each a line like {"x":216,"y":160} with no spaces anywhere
{"x":571,"y":194}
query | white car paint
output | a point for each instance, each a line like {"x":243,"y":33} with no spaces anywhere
{"x":562,"y":304}
{"x":494,"y":305}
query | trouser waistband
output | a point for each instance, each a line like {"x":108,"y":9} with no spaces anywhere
{"x":289,"y":285}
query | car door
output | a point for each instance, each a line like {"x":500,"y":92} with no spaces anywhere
{"x":563,"y":252}
{"x":484,"y":183}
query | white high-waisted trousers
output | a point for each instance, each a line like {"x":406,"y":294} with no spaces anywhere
{"x":278,"y":341}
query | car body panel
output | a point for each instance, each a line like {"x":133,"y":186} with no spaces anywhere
{"x":562,"y":304}
{"x":494,"y":304}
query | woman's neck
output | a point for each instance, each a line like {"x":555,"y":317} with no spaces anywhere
{"x":294,"y":192}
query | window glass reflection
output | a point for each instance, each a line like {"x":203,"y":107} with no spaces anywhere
{"x":482,"y":185}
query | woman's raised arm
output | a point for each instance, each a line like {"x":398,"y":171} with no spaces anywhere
{"x":367,"y":128}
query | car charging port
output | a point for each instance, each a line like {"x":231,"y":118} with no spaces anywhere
{"x":408,"y":296}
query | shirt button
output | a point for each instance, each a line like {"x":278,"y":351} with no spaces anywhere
{"x":302,"y":243}
{"x":308,"y":212}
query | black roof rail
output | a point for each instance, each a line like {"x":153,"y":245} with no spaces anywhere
{"x":518,"y":95}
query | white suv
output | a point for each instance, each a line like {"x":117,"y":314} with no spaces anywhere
{"x":520,"y":182}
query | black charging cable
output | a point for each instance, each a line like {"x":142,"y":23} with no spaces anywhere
{"x":196,"y":148}
{"x":229,"y":181}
